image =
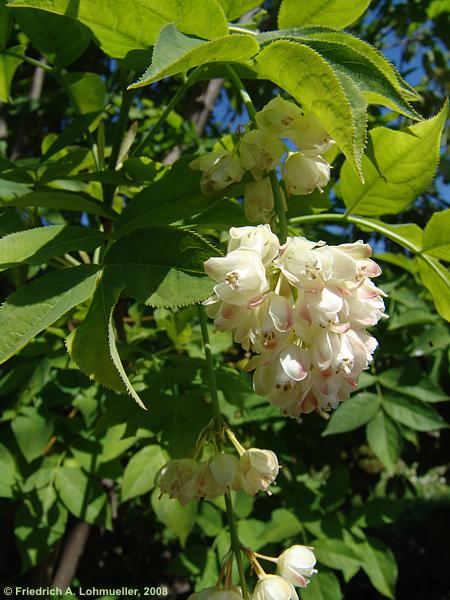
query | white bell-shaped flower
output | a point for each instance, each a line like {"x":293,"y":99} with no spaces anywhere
{"x":274,"y":587}
{"x":278,"y":117}
{"x":205,"y":594}
{"x":303,"y":174}
{"x":309,"y":135}
{"x":232,"y":593}
{"x":259,"y":238}
{"x":220,"y":169}
{"x":260,"y":152}
{"x":241,"y":276}
{"x":296,"y":564}
{"x":175,"y":479}
{"x":258,"y":469}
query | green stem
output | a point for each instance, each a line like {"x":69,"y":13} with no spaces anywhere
{"x":179,"y":93}
{"x":236,"y":545}
{"x":218,"y":423}
{"x":279,"y":206}
{"x":30,"y":61}
{"x":379,"y":227}
{"x":217,"y":415}
{"x":127,"y":100}
{"x":243,"y":92}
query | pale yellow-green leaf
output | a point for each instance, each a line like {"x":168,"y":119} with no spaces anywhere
{"x":330,"y":13}
{"x":436,"y":237}
{"x":398,"y":166}
{"x":125,"y":25}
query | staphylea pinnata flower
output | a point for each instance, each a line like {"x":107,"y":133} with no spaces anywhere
{"x":274,"y":587}
{"x":303,"y":312}
{"x":296,"y":564}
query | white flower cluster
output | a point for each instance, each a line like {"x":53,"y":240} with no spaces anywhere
{"x":302,"y":309}
{"x":187,"y":479}
{"x":294,"y":566}
{"x":261,"y":150}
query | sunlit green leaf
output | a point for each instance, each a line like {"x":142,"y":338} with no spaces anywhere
{"x":176,"y":53}
{"x":331,"y":13}
{"x":436,"y":237}
{"x":37,"y":305}
{"x":398,"y":166}
{"x":35,"y":246}
{"x":139,"y":474}
{"x":123,"y":26}
{"x":353,"y":413}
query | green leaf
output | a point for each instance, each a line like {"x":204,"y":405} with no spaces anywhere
{"x":139,"y":474}
{"x":380,"y":566}
{"x":76,"y":128}
{"x":60,"y":39}
{"x":353,"y":413}
{"x":32,"y":431}
{"x":179,"y":519}
{"x":322,"y":586}
{"x":93,"y":345}
{"x":5,"y":24}
{"x":398,"y":166}
{"x":375,"y":86}
{"x":83,"y":496}
{"x":436,"y":279}
{"x":366,"y":52}
{"x":385,"y":440}
{"x":174,"y":196}
{"x":282,"y":525}
{"x":87,"y":90}
{"x":177,"y":53}
{"x":412,"y":413}
{"x":125,"y":26}
{"x":36,"y":246}
{"x":37,"y":530}
{"x":330,"y":13}
{"x":161,"y":266}
{"x":7,"y":469}
{"x":409,"y":381}
{"x":436,"y":237}
{"x":8,"y":67}
{"x":60,"y":200}
{"x":32,"y":308}
{"x":304,"y":74}
{"x":234,"y":9}
{"x":336,"y":554}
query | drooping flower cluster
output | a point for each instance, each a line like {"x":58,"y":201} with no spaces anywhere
{"x":302,"y":309}
{"x":187,"y":479}
{"x":294,"y":566}
{"x":260,"y":150}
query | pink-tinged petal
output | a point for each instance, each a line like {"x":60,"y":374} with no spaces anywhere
{"x":295,"y":362}
{"x":281,"y":313}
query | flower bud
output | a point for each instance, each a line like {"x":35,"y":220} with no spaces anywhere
{"x":258,"y":200}
{"x":278,"y":117}
{"x":259,"y":468}
{"x":175,"y":479}
{"x":260,"y":238}
{"x":220,"y":169}
{"x":303,"y":174}
{"x":296,"y":564}
{"x":260,"y":152}
{"x":309,"y":135}
{"x":273,"y":587}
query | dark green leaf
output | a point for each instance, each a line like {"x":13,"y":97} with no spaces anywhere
{"x":353,"y":413}
{"x":412,"y":413}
